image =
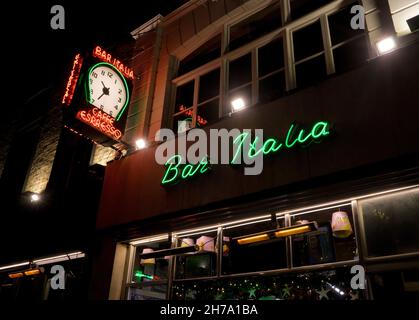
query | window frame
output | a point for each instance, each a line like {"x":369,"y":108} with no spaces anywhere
{"x":286,"y":32}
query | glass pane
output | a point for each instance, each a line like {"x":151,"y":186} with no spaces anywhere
{"x":351,"y":55}
{"x":209,"y":85}
{"x":271,"y":57}
{"x":201,"y":263}
{"x":396,"y":285}
{"x":308,"y":41}
{"x":184,"y":96}
{"x":311,"y":71}
{"x":240,"y":71}
{"x":322,"y":285}
{"x":340,"y":25}
{"x":150,"y":269}
{"x":183,"y":122}
{"x":244,"y":93}
{"x":255,"y":26}
{"x":272,"y":87}
{"x":300,"y":8}
{"x":209,"y":51}
{"x":333,"y":241}
{"x":155,"y":292}
{"x":208,"y":113}
{"x":253,"y":256}
{"x":392,"y":223}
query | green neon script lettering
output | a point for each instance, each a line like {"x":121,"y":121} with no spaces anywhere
{"x":175,"y":171}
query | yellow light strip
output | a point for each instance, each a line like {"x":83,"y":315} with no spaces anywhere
{"x":292,"y":231}
{"x":253,"y":239}
{"x":16,"y":275}
{"x":32,"y":272}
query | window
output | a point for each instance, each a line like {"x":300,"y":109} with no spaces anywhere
{"x":240,"y":79}
{"x":253,"y":256}
{"x":395,"y":285}
{"x":321,"y":285}
{"x":257,"y":25}
{"x":149,"y":275}
{"x":310,"y":63}
{"x":333,"y":241}
{"x":271,"y":71}
{"x":350,"y":47}
{"x":391,"y":223}
{"x":300,"y":8}
{"x":186,"y":114}
{"x":209,"y":51}
{"x":201,"y":263}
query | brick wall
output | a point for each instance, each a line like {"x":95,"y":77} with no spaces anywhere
{"x":39,"y":173}
{"x":102,"y":155}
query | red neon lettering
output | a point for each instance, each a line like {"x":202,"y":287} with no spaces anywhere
{"x":101,"y":54}
{"x":72,"y":80}
{"x":101,"y":121}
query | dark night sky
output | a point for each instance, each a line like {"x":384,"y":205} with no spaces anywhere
{"x":35,"y":56}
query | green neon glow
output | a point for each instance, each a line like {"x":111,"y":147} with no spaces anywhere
{"x":87,"y":86}
{"x":139,"y":274}
{"x":176,"y":171}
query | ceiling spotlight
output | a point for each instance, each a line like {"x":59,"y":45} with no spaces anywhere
{"x":386,"y":45}
{"x":140,"y":143}
{"x":238,"y":104}
{"x":35,"y":197}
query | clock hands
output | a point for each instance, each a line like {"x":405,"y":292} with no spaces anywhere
{"x":105,"y":91}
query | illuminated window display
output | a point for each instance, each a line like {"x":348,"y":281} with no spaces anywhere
{"x":301,"y":254}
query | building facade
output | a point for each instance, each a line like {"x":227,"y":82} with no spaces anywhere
{"x":287,"y":62}
{"x":333,"y":86}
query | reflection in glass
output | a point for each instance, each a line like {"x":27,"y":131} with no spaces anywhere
{"x":333,"y":241}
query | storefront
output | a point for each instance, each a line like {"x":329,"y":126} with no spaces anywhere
{"x":348,"y":198}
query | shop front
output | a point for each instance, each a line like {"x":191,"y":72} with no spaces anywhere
{"x":307,"y":227}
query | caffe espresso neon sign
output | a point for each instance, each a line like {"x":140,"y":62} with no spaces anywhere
{"x":244,"y":145}
{"x":100,"y":121}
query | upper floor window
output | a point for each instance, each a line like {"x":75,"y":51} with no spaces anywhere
{"x":309,"y":54}
{"x":350,"y":47}
{"x":257,"y":25}
{"x":300,"y":8}
{"x":209,"y":51}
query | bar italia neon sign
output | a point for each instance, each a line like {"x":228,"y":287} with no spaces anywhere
{"x":177,"y":171}
{"x":105,"y":56}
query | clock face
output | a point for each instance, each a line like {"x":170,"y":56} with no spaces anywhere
{"x":107,"y":89}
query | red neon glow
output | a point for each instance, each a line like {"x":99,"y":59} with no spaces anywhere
{"x":100,"y":121}
{"x":201,"y":121}
{"x":72,"y":80}
{"x":101,"y":54}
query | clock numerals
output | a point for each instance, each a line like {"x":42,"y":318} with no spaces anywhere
{"x":91,"y":81}
{"x":119,"y":92}
{"x":116,"y":81}
{"x":116,"y":107}
{"x":103,"y":72}
{"x":110,"y":113}
{"x":119,"y":99}
{"x":94,"y":74}
{"x":93,"y":101}
{"x":102,"y":107}
{"x":110,"y":74}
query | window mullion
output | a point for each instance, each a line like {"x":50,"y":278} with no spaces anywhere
{"x":289,"y":61}
{"x":285,"y":11}
{"x":255,"y":77}
{"x":327,"y":44}
{"x":195,"y":101}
